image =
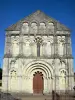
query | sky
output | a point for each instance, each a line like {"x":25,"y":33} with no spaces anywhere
{"x":12,"y":11}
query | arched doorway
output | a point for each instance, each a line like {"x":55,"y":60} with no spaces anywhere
{"x":38,"y":82}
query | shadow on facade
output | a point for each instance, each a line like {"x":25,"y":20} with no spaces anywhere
{"x":7,"y":96}
{"x":68,"y":95}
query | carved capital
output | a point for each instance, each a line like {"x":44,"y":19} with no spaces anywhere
{"x":38,"y":40}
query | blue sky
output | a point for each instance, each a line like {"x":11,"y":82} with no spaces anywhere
{"x":13,"y":10}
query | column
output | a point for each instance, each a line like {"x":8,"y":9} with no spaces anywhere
{"x":38,"y":41}
{"x":64,"y":49}
{"x":52,"y":49}
{"x":45,"y":85}
{"x":55,"y":45}
{"x":50,"y":85}
{"x":21,"y":45}
{"x":38,"y":49}
{"x":5,"y":75}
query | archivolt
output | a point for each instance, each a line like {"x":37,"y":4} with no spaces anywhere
{"x":42,"y":66}
{"x":38,"y":67}
{"x":40,"y":70}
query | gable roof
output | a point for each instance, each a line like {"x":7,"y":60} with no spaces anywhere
{"x":38,"y":16}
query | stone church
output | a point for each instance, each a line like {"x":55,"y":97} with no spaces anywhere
{"x":37,"y":56}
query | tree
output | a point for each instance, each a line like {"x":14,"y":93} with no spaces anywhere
{"x":0,"y":73}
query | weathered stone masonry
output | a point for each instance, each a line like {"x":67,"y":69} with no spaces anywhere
{"x":37,"y":44}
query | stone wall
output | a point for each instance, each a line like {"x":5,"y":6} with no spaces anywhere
{"x":37,"y":43}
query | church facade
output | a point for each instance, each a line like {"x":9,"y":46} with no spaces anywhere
{"x":38,"y":56}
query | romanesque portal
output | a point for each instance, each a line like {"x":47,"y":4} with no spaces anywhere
{"x":37,"y":56}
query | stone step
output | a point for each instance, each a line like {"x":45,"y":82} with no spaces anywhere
{"x":37,"y":98}
{"x":23,"y":96}
{"x":33,"y":97}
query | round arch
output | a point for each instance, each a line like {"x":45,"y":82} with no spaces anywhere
{"x":43,"y":66}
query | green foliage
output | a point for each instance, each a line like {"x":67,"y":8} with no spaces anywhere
{"x":74,"y":76}
{"x":0,"y":84}
{"x":0,"y":73}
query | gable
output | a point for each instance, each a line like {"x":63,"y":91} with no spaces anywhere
{"x":37,"y":17}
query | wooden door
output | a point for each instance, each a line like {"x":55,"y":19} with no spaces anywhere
{"x":38,"y":82}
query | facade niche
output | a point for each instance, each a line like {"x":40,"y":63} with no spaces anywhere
{"x":25,"y":28}
{"x":13,"y":80}
{"x":47,"y":49}
{"x":63,"y":80}
{"x":15,"y":46}
{"x":42,"y":28}
{"x":50,"y":28}
{"x":27,"y":49}
{"x":61,"y":45}
{"x":33,"y":28}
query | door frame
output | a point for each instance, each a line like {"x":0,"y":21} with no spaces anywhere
{"x":39,"y":88}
